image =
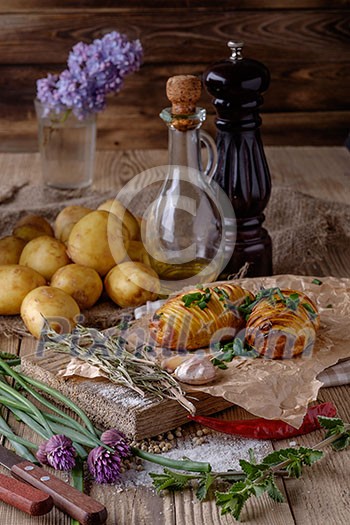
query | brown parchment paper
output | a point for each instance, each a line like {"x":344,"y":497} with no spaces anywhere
{"x":282,"y":389}
{"x":273,"y":389}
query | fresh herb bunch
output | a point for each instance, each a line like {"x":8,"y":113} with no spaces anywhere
{"x":255,"y":478}
{"x":110,"y":355}
{"x":274,"y":295}
{"x":93,"y":71}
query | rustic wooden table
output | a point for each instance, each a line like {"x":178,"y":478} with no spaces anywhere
{"x":322,"y":495}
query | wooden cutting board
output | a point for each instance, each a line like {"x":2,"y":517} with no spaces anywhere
{"x":109,"y":405}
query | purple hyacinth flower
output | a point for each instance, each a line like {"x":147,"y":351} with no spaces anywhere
{"x":117,"y":441}
{"x":41,"y":453}
{"x":60,"y":452}
{"x":104,"y":465}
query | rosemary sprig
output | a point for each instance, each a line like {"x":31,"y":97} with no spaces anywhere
{"x":136,"y":371}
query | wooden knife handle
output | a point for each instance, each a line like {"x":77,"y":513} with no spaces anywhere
{"x":24,"y":497}
{"x":78,"y":505}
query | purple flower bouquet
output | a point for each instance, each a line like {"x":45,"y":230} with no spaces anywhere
{"x":94,"y":71}
{"x":67,"y":105}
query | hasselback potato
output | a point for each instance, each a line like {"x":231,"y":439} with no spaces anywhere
{"x":282,"y":323}
{"x":191,"y":319}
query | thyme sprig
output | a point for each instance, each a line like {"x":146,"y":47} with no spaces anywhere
{"x":121,"y":366}
{"x":256,"y":479}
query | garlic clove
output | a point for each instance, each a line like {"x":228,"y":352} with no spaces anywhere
{"x":196,"y":371}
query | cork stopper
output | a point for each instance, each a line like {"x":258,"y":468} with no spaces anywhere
{"x":183,"y":91}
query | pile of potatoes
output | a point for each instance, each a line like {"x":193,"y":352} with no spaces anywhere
{"x":49,"y":274}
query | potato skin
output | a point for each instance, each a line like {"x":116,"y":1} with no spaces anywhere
{"x":67,"y":218}
{"x":82,"y":283}
{"x":48,"y":302}
{"x":137,"y":252}
{"x":10,"y":249}
{"x":177,"y":326}
{"x":45,"y":255}
{"x":15,"y":283}
{"x":132,"y":284}
{"x":278,"y":332}
{"x":99,"y":240}
{"x":31,"y":226}
{"x":118,"y":209}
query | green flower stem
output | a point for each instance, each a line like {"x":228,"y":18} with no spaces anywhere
{"x":19,"y":448}
{"x":60,"y":397}
{"x":184,"y":464}
{"x":24,"y":380}
{"x":5,"y":387}
{"x":11,"y":436}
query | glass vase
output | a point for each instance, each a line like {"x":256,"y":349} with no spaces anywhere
{"x":67,"y":148}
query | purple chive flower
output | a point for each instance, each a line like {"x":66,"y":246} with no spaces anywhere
{"x":60,"y":453}
{"x":94,"y":70}
{"x":41,"y":453}
{"x":104,"y":465}
{"x":117,"y":441}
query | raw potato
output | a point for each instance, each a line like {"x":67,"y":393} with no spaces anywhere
{"x":130,"y":222}
{"x":99,"y":240}
{"x":51,"y":304}
{"x":138,"y":253}
{"x":132,"y":284}
{"x":32,"y":226}
{"x":45,"y":255}
{"x":10,"y":249}
{"x":82,"y":283}
{"x":15,"y":283}
{"x":67,"y":218}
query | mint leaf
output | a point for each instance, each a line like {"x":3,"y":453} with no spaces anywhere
{"x":273,"y":491}
{"x":342,"y":442}
{"x":204,"y":486}
{"x":169,"y":480}
{"x":332,"y":423}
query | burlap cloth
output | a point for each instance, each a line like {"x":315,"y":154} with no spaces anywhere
{"x":304,"y":231}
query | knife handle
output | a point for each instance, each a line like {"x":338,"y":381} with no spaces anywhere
{"x":24,"y":497}
{"x":78,"y":505}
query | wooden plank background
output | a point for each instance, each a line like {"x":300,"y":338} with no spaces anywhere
{"x":305,"y":44}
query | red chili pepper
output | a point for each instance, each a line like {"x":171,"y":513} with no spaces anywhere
{"x":260,"y":428}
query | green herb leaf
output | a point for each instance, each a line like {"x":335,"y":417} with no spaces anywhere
{"x":316,"y":281}
{"x":197,"y":299}
{"x":310,"y":310}
{"x":334,"y":425}
{"x":273,"y":491}
{"x":170,"y":480}
{"x":342,"y":442}
{"x":204,"y":486}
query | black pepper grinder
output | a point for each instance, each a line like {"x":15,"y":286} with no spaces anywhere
{"x":237,"y":85}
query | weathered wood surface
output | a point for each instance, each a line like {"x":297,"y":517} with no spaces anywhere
{"x":304,"y":43}
{"x":322,"y":496}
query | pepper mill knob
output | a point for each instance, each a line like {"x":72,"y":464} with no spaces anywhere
{"x":236,"y":50}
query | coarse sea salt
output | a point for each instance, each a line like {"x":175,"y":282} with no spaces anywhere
{"x":221,"y":451}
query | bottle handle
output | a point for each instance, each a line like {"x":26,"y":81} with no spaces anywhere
{"x":209,"y":143}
